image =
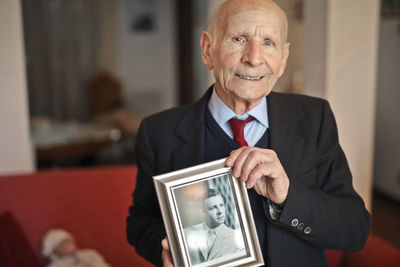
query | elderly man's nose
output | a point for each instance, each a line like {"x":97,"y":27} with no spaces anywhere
{"x":253,"y":54}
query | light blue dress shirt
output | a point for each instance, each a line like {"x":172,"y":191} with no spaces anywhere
{"x":253,"y":130}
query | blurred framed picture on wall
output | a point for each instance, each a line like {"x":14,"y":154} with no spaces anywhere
{"x":207,"y":216}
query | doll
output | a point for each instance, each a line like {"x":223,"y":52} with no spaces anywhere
{"x":60,"y":248}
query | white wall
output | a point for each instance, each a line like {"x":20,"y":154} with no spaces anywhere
{"x":15,"y":147}
{"x":349,"y":78}
{"x":146,"y":62}
{"x":352,"y":46}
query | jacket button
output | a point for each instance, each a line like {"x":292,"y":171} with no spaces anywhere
{"x":295,"y":222}
{"x":307,"y":230}
{"x":300,"y":226}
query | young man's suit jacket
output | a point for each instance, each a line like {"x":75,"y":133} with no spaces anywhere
{"x":227,"y":242}
{"x":321,"y":197}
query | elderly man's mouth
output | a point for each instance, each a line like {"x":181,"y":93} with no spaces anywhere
{"x":249,"y":78}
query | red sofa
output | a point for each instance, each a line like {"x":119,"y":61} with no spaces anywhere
{"x":93,"y":204}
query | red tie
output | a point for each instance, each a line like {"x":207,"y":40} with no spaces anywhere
{"x":238,"y":129}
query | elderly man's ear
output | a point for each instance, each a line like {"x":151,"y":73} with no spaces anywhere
{"x":286,"y":49}
{"x":206,"y":49}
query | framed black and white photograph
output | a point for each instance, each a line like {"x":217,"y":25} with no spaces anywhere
{"x":207,"y":216}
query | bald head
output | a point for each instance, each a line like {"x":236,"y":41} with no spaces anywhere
{"x":229,"y":8}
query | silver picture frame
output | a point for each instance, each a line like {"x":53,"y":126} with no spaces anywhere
{"x":184,"y":198}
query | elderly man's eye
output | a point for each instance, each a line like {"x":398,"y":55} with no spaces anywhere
{"x":268,"y":43}
{"x":238,"y":39}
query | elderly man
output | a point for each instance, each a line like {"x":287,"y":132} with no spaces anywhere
{"x":284,"y":147}
{"x":213,"y":239}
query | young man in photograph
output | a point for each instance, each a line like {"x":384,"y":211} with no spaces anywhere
{"x":213,"y":239}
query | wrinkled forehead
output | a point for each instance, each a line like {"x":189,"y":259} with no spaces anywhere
{"x":246,"y":17}
{"x":253,"y":19}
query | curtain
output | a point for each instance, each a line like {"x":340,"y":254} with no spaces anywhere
{"x":62,"y":49}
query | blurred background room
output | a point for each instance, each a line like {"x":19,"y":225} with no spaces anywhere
{"x":77,"y":77}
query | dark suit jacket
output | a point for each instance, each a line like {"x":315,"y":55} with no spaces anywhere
{"x":321,"y":197}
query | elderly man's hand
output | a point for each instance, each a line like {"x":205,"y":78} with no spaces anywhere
{"x":262,"y":169}
{"x":166,"y":254}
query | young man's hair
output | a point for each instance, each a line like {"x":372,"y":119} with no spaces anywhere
{"x":212,"y":193}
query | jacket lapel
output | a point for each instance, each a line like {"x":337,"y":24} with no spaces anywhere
{"x":219,"y":244}
{"x":204,"y":248}
{"x":191,"y":132}
{"x":286,"y":136}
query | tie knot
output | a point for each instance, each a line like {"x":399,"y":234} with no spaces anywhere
{"x":238,"y":129}
{"x":211,"y":232}
{"x":241,"y":122}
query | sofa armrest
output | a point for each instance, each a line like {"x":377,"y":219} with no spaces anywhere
{"x":376,"y":252}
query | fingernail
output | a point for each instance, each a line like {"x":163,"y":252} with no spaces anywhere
{"x":228,"y":162}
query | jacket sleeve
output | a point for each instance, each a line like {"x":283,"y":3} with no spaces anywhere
{"x":145,"y":228}
{"x":322,"y":206}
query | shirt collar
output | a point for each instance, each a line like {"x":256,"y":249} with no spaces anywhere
{"x":222,"y":113}
{"x":208,"y":229}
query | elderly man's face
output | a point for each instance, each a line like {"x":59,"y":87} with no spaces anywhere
{"x":249,"y":54}
{"x":215,"y":211}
